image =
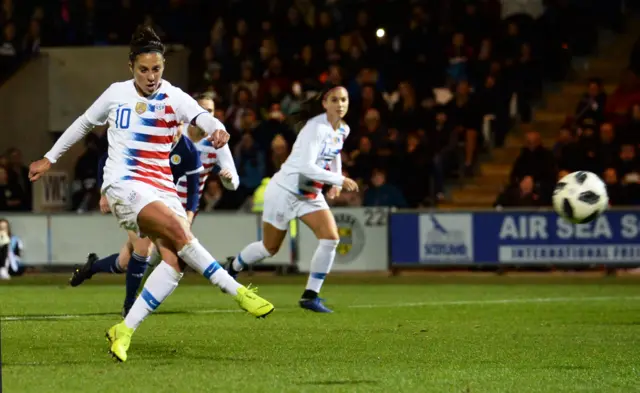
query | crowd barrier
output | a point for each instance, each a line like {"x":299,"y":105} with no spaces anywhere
{"x":371,"y":239}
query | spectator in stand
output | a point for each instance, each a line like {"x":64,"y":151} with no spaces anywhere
{"x":593,"y":102}
{"x":441,"y":140}
{"x":373,"y":128}
{"x":364,"y":160}
{"x":609,"y":146}
{"x":522,"y":194}
{"x":276,"y":57}
{"x":536,"y":162}
{"x":215,"y":197}
{"x":466,"y":120}
{"x":251,"y":165}
{"x":277,"y":155}
{"x":380,"y":193}
{"x":242,"y":102}
{"x":618,"y":194}
{"x":413,"y":171}
{"x":628,"y":169}
{"x":408,"y":116}
{"x":19,"y":179}
{"x":247,"y":81}
{"x":32,"y":40}
{"x":632,"y":130}
{"x":493,"y":103}
{"x":528,"y":77}
{"x":10,"y":194}
{"x":588,"y":149}
{"x":10,"y":53}
{"x":626,"y":95}
{"x":85,"y":194}
{"x":459,"y":54}
{"x":13,"y":262}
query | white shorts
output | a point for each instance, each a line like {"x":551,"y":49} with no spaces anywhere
{"x":282,"y":206}
{"x":127,"y":198}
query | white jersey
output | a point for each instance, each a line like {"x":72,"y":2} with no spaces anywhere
{"x":141,"y":131}
{"x":315,"y":159}
{"x":212,"y":160}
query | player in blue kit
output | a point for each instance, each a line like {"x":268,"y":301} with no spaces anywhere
{"x":135,"y":255}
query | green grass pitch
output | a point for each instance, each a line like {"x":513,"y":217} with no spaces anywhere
{"x":426,"y":333}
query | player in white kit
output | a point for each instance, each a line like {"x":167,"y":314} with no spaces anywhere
{"x":217,"y":161}
{"x":295,"y":191}
{"x":143,"y":116}
{"x":214,"y":160}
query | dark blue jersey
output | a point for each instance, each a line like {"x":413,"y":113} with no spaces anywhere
{"x":185,"y":161}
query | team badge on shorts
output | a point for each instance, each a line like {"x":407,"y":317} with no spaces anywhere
{"x":141,"y":108}
{"x":133,"y":197}
{"x":175,"y":159}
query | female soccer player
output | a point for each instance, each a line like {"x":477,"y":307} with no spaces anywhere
{"x":134,"y":256}
{"x":143,"y":114}
{"x":219,"y":161}
{"x":295,"y":191}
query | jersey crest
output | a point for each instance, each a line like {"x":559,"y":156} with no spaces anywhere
{"x":176,"y":159}
{"x":141,"y":108}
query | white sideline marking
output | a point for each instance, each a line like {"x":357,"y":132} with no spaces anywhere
{"x":391,"y":305}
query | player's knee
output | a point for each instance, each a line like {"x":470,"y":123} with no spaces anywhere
{"x":178,"y":233}
{"x":142,"y":247}
{"x":272,"y":249}
{"x":330,"y":234}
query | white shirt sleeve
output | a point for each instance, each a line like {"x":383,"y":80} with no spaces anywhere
{"x":309,"y":141}
{"x":225,"y":161}
{"x":98,"y":112}
{"x":188,"y":108}
{"x":209,"y":124}
{"x":96,"y":115}
{"x":76,"y":131}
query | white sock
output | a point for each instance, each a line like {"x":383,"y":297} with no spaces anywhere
{"x":321,"y":263}
{"x":161,"y":282}
{"x":254,"y":252}
{"x":201,"y":261}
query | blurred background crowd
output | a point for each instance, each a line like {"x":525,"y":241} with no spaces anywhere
{"x":431,"y":83}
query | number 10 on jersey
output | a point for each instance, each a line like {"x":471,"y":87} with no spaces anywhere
{"x":123,"y":117}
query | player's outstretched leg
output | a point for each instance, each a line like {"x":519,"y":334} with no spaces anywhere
{"x":161,"y":283}
{"x":93,"y":266}
{"x":199,"y":259}
{"x":320,"y":266}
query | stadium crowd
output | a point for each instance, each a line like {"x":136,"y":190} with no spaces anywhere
{"x":602,"y":136}
{"x":426,"y":81}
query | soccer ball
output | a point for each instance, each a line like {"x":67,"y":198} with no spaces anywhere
{"x":580,"y":197}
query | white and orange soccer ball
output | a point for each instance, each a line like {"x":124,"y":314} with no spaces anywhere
{"x":580,"y":197}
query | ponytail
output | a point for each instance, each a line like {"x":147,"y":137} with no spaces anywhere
{"x":309,"y":108}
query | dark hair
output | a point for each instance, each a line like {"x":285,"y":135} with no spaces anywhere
{"x":144,"y":40}
{"x":203,"y":96}
{"x":308,"y":108}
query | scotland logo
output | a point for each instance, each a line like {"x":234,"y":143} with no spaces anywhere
{"x":446,"y":238}
{"x":352,"y":238}
{"x":175,"y":159}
